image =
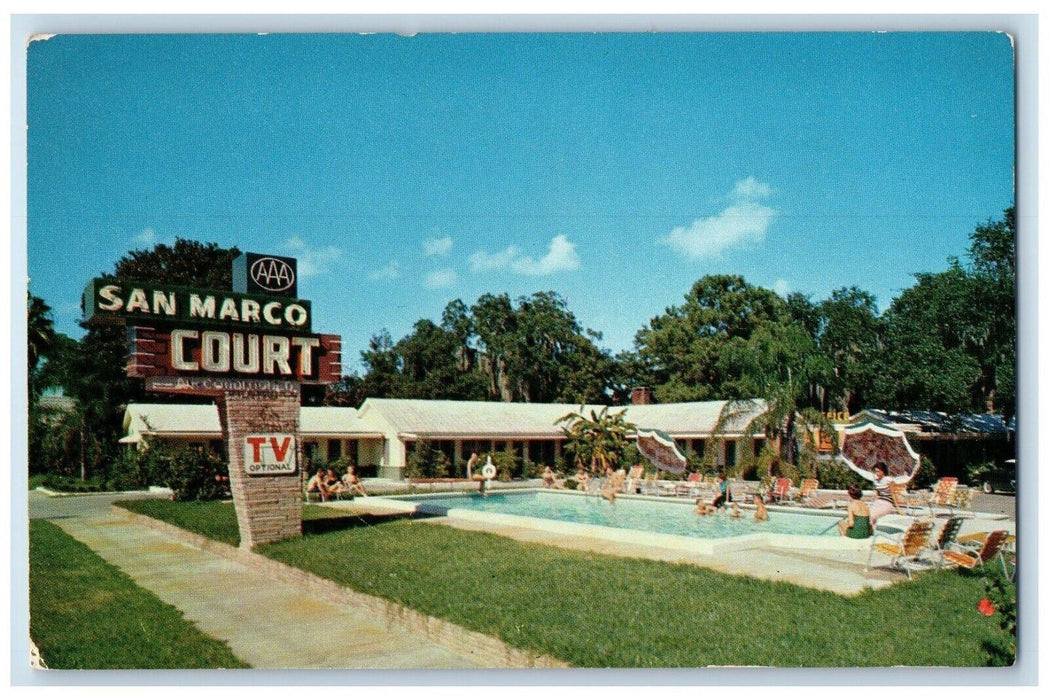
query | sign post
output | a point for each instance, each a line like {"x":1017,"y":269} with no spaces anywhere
{"x":250,"y":349}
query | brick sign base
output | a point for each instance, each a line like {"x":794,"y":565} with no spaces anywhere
{"x":269,"y":508}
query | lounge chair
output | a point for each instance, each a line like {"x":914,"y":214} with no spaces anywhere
{"x":963,"y":500}
{"x":903,"y":549}
{"x":947,"y":537}
{"x":904,"y":501}
{"x":942,"y":495}
{"x":690,"y":487}
{"x":975,"y":557}
{"x":808,"y":489}
{"x":781,"y":491}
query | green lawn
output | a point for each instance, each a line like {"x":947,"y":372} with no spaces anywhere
{"x":597,"y":610}
{"x":86,"y":614}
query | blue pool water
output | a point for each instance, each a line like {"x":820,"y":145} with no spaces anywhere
{"x":651,"y":516}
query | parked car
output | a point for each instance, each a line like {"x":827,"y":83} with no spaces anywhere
{"x":1000,"y":478}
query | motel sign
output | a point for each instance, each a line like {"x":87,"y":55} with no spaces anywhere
{"x":249,"y":348}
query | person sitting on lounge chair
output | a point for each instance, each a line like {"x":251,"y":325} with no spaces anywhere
{"x":316,"y":483}
{"x":884,"y":503}
{"x":333,"y":484}
{"x":582,"y":480}
{"x":857,"y":524}
{"x":548,"y":478}
{"x":352,"y":483}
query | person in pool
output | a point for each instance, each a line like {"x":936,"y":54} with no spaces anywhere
{"x":857,"y":524}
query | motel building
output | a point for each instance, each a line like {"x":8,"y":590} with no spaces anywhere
{"x":379,"y":436}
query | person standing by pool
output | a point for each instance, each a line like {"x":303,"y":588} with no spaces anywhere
{"x":470,"y":464}
{"x":883,"y":503}
{"x":857,"y":524}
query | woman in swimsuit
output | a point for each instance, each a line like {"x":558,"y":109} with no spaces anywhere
{"x":857,"y":524}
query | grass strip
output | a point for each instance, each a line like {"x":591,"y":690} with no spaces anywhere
{"x":602,"y":611}
{"x":87,"y":614}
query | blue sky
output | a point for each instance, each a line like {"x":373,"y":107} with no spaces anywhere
{"x":615,"y":169}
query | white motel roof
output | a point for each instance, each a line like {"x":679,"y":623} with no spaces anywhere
{"x":466,"y":419}
{"x":418,"y":418}
{"x":195,"y":420}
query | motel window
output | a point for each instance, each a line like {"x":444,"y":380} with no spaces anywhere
{"x":334,"y":450}
{"x":447,"y":447}
{"x":698,"y":447}
{"x":353,"y":451}
{"x":542,"y":452}
{"x":730,"y":453}
{"x":499,"y":446}
{"x":310,"y":450}
{"x":217,"y":447}
{"x":474,"y":446}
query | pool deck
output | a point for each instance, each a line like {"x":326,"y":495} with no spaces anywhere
{"x":829,"y":563}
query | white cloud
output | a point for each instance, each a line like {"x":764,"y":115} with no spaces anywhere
{"x":312,"y":261}
{"x":744,"y":223}
{"x":749,"y":189}
{"x":146,"y":237}
{"x":439,"y":279}
{"x":561,"y":256}
{"x":437,"y":246}
{"x":781,"y":287}
{"x":390,"y":271}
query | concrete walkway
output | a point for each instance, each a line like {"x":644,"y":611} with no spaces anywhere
{"x":267,"y":623}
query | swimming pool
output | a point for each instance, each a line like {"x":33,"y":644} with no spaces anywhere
{"x":655,"y":516}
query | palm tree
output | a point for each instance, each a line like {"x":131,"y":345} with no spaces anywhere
{"x":599,"y":439}
{"x":40,"y":329}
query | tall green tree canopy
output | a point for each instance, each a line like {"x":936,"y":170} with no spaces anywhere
{"x":950,"y":340}
{"x":531,"y":350}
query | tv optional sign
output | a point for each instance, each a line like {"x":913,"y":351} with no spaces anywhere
{"x":269,"y":454}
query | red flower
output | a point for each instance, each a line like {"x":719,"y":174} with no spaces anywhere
{"x":986,"y":607}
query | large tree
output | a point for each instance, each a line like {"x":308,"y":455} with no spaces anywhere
{"x":97,"y":376}
{"x":684,"y":350}
{"x":950,"y":340}
{"x":849,"y":338}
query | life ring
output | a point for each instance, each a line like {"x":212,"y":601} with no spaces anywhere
{"x":488,"y":470}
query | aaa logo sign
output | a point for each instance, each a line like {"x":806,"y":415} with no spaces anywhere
{"x":265,"y":455}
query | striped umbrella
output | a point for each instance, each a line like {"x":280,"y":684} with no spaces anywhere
{"x":660,"y":449}
{"x":866,"y":445}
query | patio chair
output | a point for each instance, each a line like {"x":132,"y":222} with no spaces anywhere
{"x":972,"y":558}
{"x":903,"y":549}
{"x":690,"y":487}
{"x":904,"y":501}
{"x":942,"y":494}
{"x":963,"y":500}
{"x":808,"y":489}
{"x":781,"y":491}
{"x":947,"y":537}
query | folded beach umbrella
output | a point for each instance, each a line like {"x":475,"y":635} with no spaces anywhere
{"x":660,"y":449}
{"x":867,"y":444}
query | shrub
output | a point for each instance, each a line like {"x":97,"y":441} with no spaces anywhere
{"x":192,"y":473}
{"x":506,"y":463}
{"x":1001,"y":593}
{"x":833,"y":474}
{"x":427,"y":462}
